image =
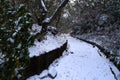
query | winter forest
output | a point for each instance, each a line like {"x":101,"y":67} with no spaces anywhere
{"x":59,"y":39}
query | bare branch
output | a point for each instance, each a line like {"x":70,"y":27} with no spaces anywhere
{"x":58,"y":10}
{"x":63,"y":3}
{"x":43,"y":6}
{"x":43,"y":21}
{"x":41,"y":18}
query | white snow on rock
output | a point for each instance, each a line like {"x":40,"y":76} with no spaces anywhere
{"x":82,"y":62}
{"x":51,"y":42}
{"x":35,"y":29}
{"x":47,"y":20}
{"x":1,"y":58}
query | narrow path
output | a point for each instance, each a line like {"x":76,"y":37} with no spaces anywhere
{"x":81,"y":62}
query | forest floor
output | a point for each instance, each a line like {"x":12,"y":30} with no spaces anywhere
{"x":81,"y":61}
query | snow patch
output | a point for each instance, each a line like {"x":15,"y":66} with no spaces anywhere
{"x":35,"y":29}
{"x":1,"y":58}
{"x":51,"y":42}
{"x":47,"y":20}
{"x":44,"y":74}
{"x":52,"y":72}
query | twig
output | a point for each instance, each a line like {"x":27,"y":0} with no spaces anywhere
{"x":43,"y":6}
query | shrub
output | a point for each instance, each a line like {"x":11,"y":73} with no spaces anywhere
{"x":15,"y":23}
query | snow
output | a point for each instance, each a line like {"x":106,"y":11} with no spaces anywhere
{"x":17,"y":21}
{"x":19,"y":46}
{"x":21,"y":5}
{"x":65,"y":15}
{"x":52,"y":72}
{"x":47,"y":20}
{"x":81,"y":61}
{"x":1,"y":58}
{"x":51,"y":42}
{"x":72,"y":2}
{"x":35,"y":29}
{"x":44,"y":74}
{"x":11,"y":40}
{"x":1,"y":61}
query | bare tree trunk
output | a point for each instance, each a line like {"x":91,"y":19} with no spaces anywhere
{"x":45,"y":21}
{"x":58,"y":10}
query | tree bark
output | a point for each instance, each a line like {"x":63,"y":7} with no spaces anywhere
{"x":45,"y":21}
{"x":58,"y":10}
{"x":50,"y":19}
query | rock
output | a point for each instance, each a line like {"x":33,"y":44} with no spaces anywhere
{"x":53,"y":30}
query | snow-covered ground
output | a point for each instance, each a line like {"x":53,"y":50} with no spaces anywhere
{"x":81,"y":61}
{"x":51,"y":42}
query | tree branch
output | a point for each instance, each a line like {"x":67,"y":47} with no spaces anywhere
{"x":54,"y":15}
{"x":43,"y":14}
{"x":43,"y":6}
{"x":63,"y":3}
{"x":43,"y":21}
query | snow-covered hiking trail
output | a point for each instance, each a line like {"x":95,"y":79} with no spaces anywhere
{"x":81,"y":61}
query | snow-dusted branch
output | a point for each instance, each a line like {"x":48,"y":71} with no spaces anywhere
{"x":43,"y":14}
{"x":44,"y":21}
{"x":43,"y":6}
{"x":63,"y":3}
{"x":54,"y":15}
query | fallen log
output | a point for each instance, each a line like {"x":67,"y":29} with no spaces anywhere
{"x":42,"y":62}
